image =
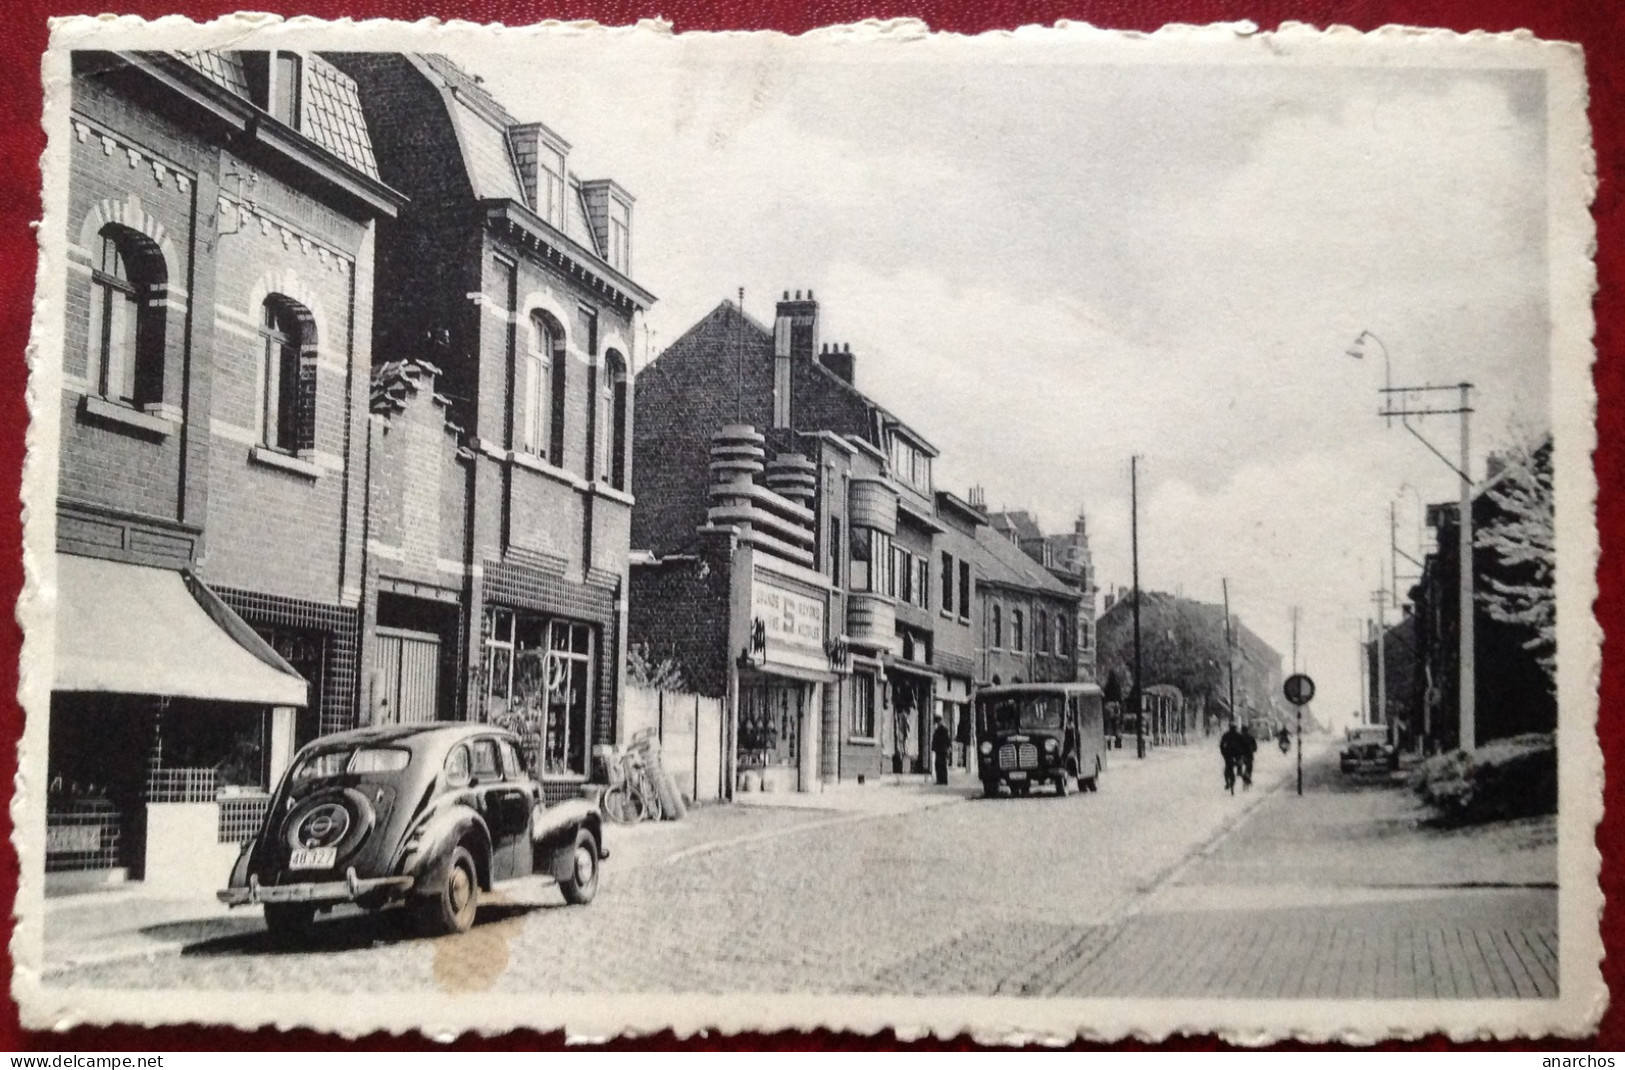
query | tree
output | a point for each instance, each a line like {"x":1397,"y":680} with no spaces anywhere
{"x":646,"y":670}
{"x":1522,"y":535}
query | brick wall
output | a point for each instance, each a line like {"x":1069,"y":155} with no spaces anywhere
{"x":680,"y":608}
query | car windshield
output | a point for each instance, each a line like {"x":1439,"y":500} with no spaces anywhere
{"x":1011,"y":712}
{"x":356,"y":761}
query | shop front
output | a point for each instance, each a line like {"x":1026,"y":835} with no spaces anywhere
{"x":170,"y":721}
{"x":783,"y":670}
{"x":540,"y":682}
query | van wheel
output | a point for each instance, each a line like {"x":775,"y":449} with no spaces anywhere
{"x":582,"y":884}
{"x":1063,"y":785}
{"x":990,"y":789}
{"x":452,"y":910}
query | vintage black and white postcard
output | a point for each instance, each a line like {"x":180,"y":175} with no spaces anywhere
{"x":1049,"y":534}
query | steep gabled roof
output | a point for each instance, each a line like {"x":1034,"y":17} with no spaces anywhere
{"x":1003,"y":562}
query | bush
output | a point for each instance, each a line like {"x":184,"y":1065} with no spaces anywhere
{"x":1506,"y":778}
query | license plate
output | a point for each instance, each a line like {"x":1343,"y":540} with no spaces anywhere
{"x":313,"y":858}
{"x":1017,"y":776}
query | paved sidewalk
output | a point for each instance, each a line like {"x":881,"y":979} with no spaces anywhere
{"x":891,"y":794}
{"x":1343,"y":893}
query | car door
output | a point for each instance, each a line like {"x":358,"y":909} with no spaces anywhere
{"x":502,"y":804}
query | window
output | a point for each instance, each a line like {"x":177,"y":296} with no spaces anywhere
{"x":1018,"y":630}
{"x":540,"y":368}
{"x":620,"y":236}
{"x":903,"y":570}
{"x":513,"y":767}
{"x":612,"y":422}
{"x":948,"y":584}
{"x":457,"y":766}
{"x":286,"y":376}
{"x":833,"y":550}
{"x":863,"y":705}
{"x":1060,"y":635}
{"x":485,"y":766}
{"x":1041,"y":633}
{"x":922,"y":582}
{"x":126,"y":326}
{"x":964,"y":590}
{"x":550,"y":185}
{"x":871,"y":561}
{"x":540,"y":685}
{"x":910,"y":464}
{"x":499,"y":648}
{"x":285,"y":88}
{"x":998,"y":627}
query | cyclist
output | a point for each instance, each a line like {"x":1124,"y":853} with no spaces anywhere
{"x":1244,"y":761}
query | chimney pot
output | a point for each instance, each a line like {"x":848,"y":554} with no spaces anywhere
{"x":787,"y":295}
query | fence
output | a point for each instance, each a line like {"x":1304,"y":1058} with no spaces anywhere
{"x":690,"y":731}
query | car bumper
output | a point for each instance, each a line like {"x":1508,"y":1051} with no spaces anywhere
{"x":347,"y":890}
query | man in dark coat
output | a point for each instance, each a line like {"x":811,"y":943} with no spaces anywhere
{"x":1230,"y":748}
{"x":941,"y":741}
{"x":1249,"y":747}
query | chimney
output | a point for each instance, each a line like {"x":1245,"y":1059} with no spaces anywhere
{"x":609,"y":214}
{"x":795,"y":327}
{"x":838,"y":359}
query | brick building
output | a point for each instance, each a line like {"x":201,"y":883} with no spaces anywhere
{"x":1028,"y":619}
{"x":501,"y":421}
{"x":221,"y":217}
{"x":786,"y":529}
{"x":1068,"y":558}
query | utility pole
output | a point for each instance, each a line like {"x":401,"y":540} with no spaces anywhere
{"x":1296,"y":707}
{"x":1380,"y":597}
{"x":1230,"y":655}
{"x":1134,"y":541}
{"x":1362,"y":633}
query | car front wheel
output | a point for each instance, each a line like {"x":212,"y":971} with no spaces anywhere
{"x":453,"y":909}
{"x":582,"y":884}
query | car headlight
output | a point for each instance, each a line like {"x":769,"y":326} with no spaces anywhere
{"x":1052,"y":745}
{"x":986,"y":747}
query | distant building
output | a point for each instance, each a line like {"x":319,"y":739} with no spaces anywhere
{"x":787,"y":533}
{"x":500,"y":504}
{"x":1028,"y":618}
{"x":1069,"y":559}
{"x":222,"y":215}
{"x":1183,"y":646}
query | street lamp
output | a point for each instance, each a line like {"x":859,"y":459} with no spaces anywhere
{"x":1406,"y":402}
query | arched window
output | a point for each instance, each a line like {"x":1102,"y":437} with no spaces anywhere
{"x":537,"y":412}
{"x":1018,"y":630}
{"x":612,"y":422}
{"x":1041,"y":633}
{"x":286,"y":376}
{"x":126,"y":323}
{"x":998,"y":627}
{"x":1060,"y":635}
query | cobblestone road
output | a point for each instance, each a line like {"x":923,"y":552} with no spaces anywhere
{"x":1037,"y":896}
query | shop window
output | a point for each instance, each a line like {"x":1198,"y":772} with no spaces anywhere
{"x":863,"y":706}
{"x":126,"y":319}
{"x":286,"y":376}
{"x":540,"y":685}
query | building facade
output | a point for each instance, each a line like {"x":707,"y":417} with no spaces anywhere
{"x":501,"y":421}
{"x":1069,"y":559}
{"x":770,"y":490}
{"x":1028,"y":618}
{"x":222,"y":218}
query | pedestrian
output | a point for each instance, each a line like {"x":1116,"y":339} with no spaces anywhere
{"x":1249,"y":747}
{"x":1230,"y":747}
{"x":941,"y":741}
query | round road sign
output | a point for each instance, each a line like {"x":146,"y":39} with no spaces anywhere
{"x":1299,"y":689}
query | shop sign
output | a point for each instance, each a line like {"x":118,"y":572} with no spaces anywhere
{"x":72,"y":839}
{"x":793,"y":624}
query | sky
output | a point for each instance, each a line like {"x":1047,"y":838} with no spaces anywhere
{"x":1048,"y":260}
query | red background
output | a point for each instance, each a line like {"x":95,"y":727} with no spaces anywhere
{"x":1593,"y":23}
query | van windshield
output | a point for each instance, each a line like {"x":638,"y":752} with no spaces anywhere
{"x":1011,"y":712}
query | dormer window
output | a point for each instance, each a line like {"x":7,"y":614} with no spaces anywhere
{"x":910,"y":464}
{"x":620,"y":235}
{"x":550,"y":185}
{"x":276,"y":82}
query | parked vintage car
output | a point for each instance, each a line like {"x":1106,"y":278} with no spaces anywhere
{"x":1368,"y":750}
{"x":425,"y":815}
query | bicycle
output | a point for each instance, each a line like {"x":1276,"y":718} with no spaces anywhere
{"x":631,"y":796}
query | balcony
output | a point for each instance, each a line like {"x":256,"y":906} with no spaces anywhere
{"x":871,"y":621}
